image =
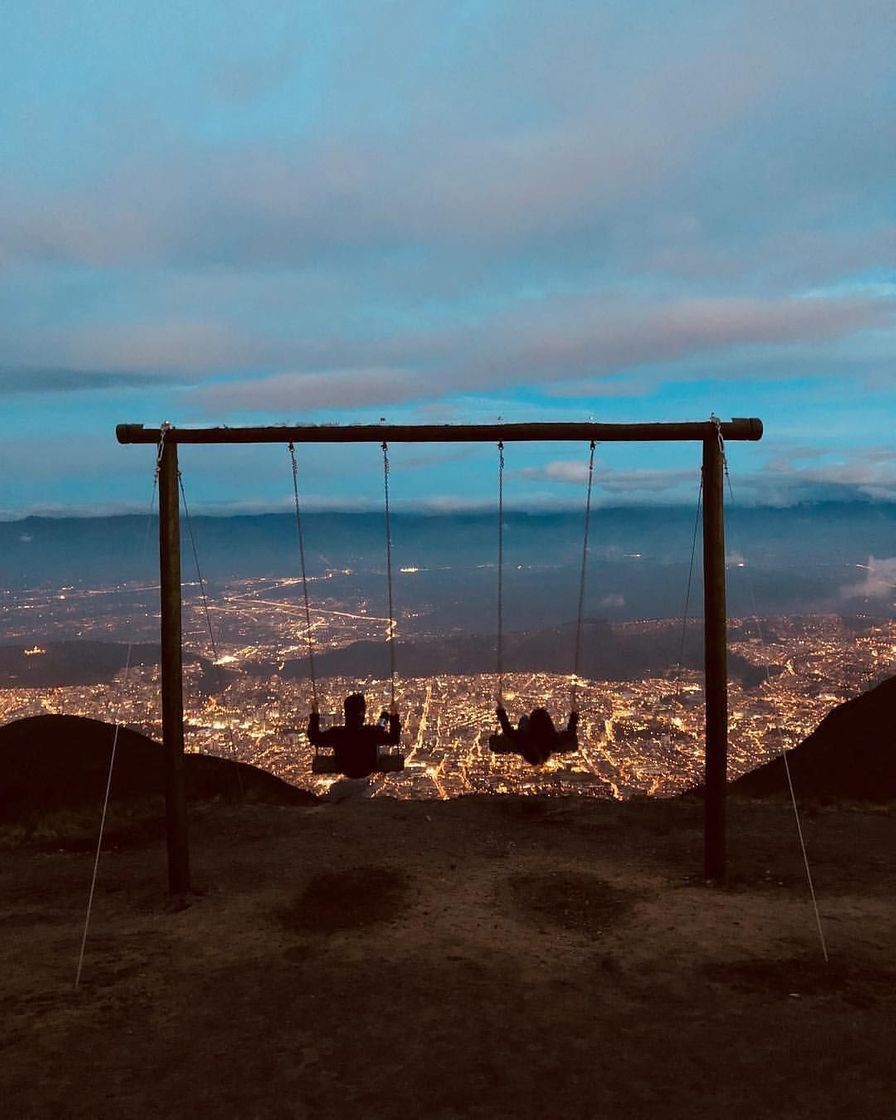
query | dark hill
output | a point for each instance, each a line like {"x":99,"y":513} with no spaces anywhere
{"x":850,"y":755}
{"x":56,"y":664}
{"x":60,"y":664}
{"x":48,"y":763}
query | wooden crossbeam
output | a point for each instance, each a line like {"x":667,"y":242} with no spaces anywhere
{"x":739,"y":429}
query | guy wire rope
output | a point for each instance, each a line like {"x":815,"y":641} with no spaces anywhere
{"x":309,"y":641}
{"x":125,"y":675}
{"x":687,"y":597}
{"x":666,"y":737}
{"x":796,"y":813}
{"x":390,"y":634}
{"x":208,"y":620}
{"x":578,"y":648}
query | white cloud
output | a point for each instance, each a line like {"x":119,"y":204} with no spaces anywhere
{"x":581,"y":344}
{"x":819,"y":475}
{"x":878,"y":582}
{"x":561,"y":470}
{"x":291,"y":394}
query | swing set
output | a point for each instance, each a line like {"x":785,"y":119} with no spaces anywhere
{"x":712,"y":434}
{"x":524,"y":741}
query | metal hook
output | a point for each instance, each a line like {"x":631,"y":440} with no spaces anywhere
{"x":164,"y":429}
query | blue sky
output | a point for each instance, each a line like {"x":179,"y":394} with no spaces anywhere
{"x":231,"y":212}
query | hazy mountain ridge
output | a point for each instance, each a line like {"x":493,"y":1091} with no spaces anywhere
{"x":86,"y":661}
{"x":608,"y":653}
{"x":801,"y":559}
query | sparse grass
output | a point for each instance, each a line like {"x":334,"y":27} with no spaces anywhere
{"x":77,"y":829}
{"x":342,"y":900}
{"x":574,"y":900}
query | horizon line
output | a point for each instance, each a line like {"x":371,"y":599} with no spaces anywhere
{"x":417,"y":509}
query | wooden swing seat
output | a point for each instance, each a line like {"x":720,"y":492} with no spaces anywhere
{"x":385,"y":763}
{"x":503,"y":744}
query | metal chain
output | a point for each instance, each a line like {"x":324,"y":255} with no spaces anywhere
{"x":164,"y":429}
{"x":717,"y":423}
{"x":309,"y":641}
{"x":390,"y":633}
{"x":500,"y":641}
{"x":687,"y":597}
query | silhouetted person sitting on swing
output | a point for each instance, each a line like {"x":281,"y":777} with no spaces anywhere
{"x":535,"y":736}
{"x":356,"y":743}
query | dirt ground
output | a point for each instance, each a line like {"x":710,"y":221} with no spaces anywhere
{"x":513,"y":957}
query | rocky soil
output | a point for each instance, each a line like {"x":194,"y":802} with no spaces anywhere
{"x":506,"y":957}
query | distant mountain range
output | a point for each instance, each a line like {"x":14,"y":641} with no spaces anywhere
{"x":84,"y":661}
{"x":607,"y":653}
{"x":804,"y":559}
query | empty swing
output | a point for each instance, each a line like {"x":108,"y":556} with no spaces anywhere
{"x":352,"y":748}
{"x":535,"y":737}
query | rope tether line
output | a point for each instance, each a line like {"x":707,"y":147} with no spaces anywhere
{"x":687,"y":597}
{"x":796,"y":812}
{"x":208,"y":619}
{"x":581,"y":606}
{"x":500,"y":638}
{"x":390,"y":633}
{"x":309,"y":640}
{"x":127,"y":669}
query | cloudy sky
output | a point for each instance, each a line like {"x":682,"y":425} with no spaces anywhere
{"x":229,"y":212}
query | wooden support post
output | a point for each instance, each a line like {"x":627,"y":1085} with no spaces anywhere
{"x":172,"y":672}
{"x":715,"y":638}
